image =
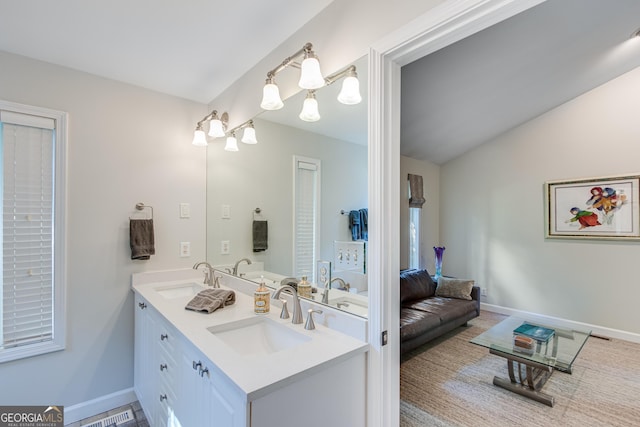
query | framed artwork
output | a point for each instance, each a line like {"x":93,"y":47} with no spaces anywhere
{"x":594,"y":208}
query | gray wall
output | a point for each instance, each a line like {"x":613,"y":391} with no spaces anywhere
{"x":492,"y":212}
{"x":125,"y":145}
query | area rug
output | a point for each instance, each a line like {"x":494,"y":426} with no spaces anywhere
{"x":448,"y":382}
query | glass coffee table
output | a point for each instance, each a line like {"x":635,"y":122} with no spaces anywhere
{"x":530,"y":368}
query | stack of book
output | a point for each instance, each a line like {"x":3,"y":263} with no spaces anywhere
{"x":526,"y":336}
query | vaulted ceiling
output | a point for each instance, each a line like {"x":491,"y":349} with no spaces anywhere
{"x":476,"y":89}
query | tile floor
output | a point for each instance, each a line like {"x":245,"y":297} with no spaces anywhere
{"x":139,"y":419}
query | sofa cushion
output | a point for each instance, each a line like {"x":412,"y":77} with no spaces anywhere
{"x":414,"y":323}
{"x":415,"y":284}
{"x":454,"y":288}
{"x":446,"y":309}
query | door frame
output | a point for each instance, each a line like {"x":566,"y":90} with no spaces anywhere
{"x":441,"y":26}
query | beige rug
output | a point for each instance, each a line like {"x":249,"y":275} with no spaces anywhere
{"x":448,"y":382}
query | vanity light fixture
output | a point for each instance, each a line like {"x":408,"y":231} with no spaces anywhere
{"x":310,"y":111}
{"x":199,"y":138}
{"x":249,"y":134}
{"x":271,"y":96}
{"x":217,"y":126}
{"x":350,"y":92}
{"x":310,"y":77}
{"x":232,"y":143}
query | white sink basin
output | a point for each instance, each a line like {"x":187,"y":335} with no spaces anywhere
{"x":178,"y":291}
{"x":257,"y":336}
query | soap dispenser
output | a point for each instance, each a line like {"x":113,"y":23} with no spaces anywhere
{"x":261,"y":299}
{"x":304,"y":288}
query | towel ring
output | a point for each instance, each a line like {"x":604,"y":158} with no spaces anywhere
{"x":141,"y":206}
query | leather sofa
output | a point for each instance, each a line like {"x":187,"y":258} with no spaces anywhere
{"x":426,"y":314}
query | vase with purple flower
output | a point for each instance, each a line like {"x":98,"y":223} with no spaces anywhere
{"x":439,"y":252}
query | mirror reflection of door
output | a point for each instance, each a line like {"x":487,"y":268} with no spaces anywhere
{"x":306,"y":211}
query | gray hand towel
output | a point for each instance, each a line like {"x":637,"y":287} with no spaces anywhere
{"x":141,"y":238}
{"x":260,"y":236}
{"x":210,"y":300}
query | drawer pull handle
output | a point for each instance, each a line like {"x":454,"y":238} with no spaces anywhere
{"x":163,"y":397}
{"x":163,"y":337}
{"x":163,"y":366}
{"x":142,"y":305}
{"x":204,"y":371}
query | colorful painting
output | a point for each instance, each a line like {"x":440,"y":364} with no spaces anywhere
{"x":604,"y":208}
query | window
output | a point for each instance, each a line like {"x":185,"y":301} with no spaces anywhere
{"x":414,"y":237}
{"x":415,"y":194}
{"x":32,"y":150}
{"x":306,"y":208}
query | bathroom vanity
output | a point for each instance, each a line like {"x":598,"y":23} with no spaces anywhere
{"x":235,"y":368}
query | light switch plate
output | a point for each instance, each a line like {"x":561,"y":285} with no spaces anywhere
{"x":226,"y":212}
{"x":185,"y":210}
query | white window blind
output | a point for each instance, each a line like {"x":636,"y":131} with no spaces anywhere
{"x":306,"y":208}
{"x":31,"y":317}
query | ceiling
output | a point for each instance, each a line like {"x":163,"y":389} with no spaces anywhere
{"x":480,"y":87}
{"x":192,"y":49}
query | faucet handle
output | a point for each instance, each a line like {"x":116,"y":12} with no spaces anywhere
{"x":284,"y":314}
{"x":310,"y":325}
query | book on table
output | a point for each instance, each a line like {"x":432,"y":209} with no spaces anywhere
{"x":538,"y":333}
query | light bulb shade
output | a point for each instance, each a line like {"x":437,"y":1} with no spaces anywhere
{"x":199,"y":139}
{"x":249,"y":136}
{"x":350,"y":92}
{"x":309,"y":111}
{"x":271,"y":97}
{"x":310,"y":74}
{"x":232,"y":144}
{"x":215,"y":128}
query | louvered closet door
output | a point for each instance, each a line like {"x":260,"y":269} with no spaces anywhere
{"x":306,"y":212}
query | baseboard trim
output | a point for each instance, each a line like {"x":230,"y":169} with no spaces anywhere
{"x":595,"y":329}
{"x":98,"y":405}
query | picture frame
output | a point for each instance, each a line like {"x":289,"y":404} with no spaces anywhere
{"x":593,"y":208}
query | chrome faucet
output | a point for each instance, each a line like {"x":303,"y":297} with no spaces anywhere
{"x":345,"y":286}
{"x":209,"y":276}
{"x":235,"y":267}
{"x":297,"y":310}
{"x":325,"y":295}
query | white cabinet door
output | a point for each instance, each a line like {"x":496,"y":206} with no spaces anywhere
{"x":145,"y":377}
{"x":205,"y":398}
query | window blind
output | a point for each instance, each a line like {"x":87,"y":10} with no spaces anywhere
{"x":28,"y":154}
{"x":306,"y":222}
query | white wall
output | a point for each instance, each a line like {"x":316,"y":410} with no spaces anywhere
{"x":125,"y":145}
{"x":430,"y":218}
{"x":492,"y":212}
{"x":262,"y":176}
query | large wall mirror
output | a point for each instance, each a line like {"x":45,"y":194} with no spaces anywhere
{"x":308,"y":180}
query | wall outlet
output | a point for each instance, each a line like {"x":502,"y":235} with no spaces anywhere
{"x":483,"y":292}
{"x":224,"y":247}
{"x":185,"y":249}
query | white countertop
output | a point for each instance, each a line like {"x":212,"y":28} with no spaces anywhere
{"x":254,"y":375}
